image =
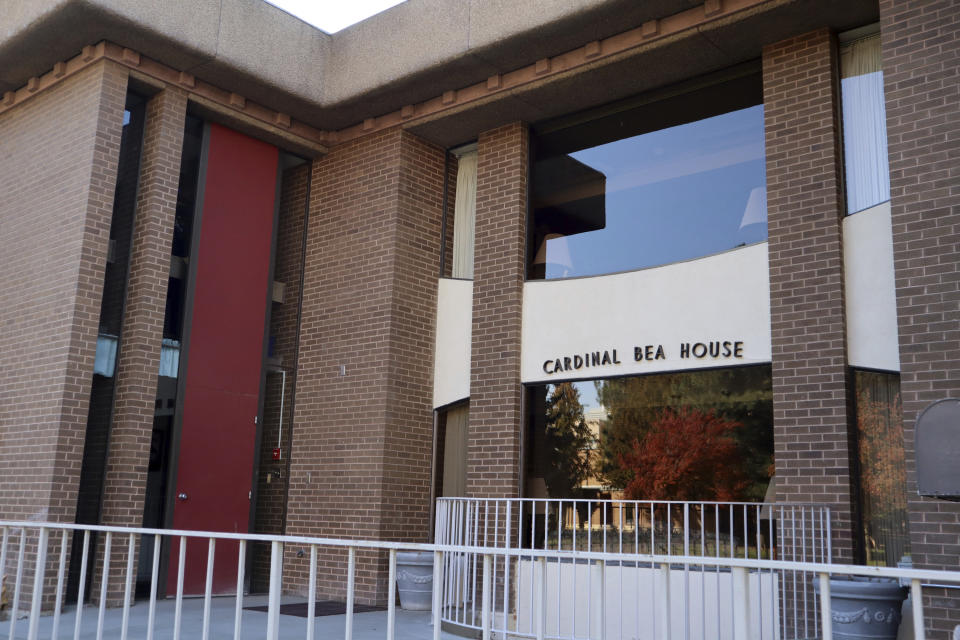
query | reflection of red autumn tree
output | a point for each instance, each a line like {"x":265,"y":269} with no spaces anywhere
{"x":882,"y":463}
{"x":686,"y":455}
{"x":883,"y":481}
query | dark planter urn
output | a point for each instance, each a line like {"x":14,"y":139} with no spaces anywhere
{"x":865,"y":608}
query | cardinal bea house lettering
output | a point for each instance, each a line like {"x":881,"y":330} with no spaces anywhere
{"x":708,"y":350}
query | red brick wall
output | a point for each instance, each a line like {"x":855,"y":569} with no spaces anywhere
{"x":272,"y":479}
{"x":362,"y":441}
{"x":57,"y":176}
{"x":810,"y":388}
{"x":921,"y":55}
{"x":496,"y":417}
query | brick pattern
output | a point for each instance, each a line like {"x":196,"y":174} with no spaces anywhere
{"x":810,"y":385}
{"x":921,"y":55}
{"x":496,"y":417}
{"x":362,"y":441}
{"x":138,"y":359}
{"x":56,"y":207}
{"x":272,"y":480}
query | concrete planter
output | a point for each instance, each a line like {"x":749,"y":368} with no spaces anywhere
{"x":865,"y":608}
{"x":415,"y":580}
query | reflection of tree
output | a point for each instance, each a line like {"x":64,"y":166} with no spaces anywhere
{"x":882,"y":468}
{"x":567,"y":440}
{"x":685,"y":455}
{"x":740,"y":395}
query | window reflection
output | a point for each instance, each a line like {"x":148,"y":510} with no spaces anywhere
{"x":677,"y":193}
{"x":883,"y":475}
{"x":702,"y":435}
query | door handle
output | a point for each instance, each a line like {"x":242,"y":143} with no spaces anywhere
{"x":181,"y":496}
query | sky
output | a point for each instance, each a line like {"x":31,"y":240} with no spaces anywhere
{"x":333,"y":15}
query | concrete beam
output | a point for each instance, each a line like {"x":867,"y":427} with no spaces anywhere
{"x":408,"y":54}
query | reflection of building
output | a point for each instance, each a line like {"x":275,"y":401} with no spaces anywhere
{"x":340,"y":230}
{"x":594,"y":418}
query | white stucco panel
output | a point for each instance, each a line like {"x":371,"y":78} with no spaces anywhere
{"x":870,"y":289}
{"x":720,"y":302}
{"x":451,"y":364}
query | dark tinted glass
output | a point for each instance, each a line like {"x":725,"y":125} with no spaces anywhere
{"x":613,"y":195}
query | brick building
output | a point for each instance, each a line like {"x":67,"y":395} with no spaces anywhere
{"x":261,"y":278}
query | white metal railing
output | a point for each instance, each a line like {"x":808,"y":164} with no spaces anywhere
{"x":25,"y":547}
{"x":784,"y":602}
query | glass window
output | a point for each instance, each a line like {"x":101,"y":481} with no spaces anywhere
{"x":883,"y":476}
{"x":866,"y":165}
{"x":665,"y":182}
{"x":700,"y":435}
{"x":453,"y":430}
{"x":464,"y":215}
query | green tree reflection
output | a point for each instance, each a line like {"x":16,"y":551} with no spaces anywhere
{"x":568,"y":441}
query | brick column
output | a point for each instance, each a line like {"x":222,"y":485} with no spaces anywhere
{"x":131,"y":430}
{"x":496,"y":415}
{"x":921,"y":55}
{"x":363,"y":422}
{"x":58,"y":170}
{"x":810,"y":381}
{"x":57,"y":176}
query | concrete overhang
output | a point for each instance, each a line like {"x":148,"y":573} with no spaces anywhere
{"x":410,"y":53}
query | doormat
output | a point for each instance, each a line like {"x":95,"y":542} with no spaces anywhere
{"x":322,"y":608}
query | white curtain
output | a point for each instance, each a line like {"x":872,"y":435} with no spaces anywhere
{"x":105,"y":361}
{"x":864,"y":124}
{"x":464,"y":216}
{"x":169,"y":358}
{"x":455,"y":453}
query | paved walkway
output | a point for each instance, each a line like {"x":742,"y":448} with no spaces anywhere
{"x":411,"y":625}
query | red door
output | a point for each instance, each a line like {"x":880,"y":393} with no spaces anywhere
{"x":218,"y":434}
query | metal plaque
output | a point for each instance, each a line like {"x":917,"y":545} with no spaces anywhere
{"x":938,"y":450}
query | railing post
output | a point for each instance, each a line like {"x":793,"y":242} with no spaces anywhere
{"x":128,"y":585}
{"x":351,"y":586}
{"x":84,"y":556}
{"x":104,"y":580}
{"x":665,"y":601}
{"x":741,"y":603}
{"x":826,"y":615}
{"x":541,"y":586}
{"x":392,"y":596}
{"x":38,"y":574}
{"x":312,"y":594}
{"x":208,"y":588}
{"x":15,"y":605}
{"x":154,"y":574}
{"x":603,"y":599}
{"x":916,"y":595}
{"x":437,"y":593}
{"x":178,"y":607}
{"x":273,"y":604}
{"x":485,"y":613}
{"x":238,"y":600}
{"x":61,"y":569}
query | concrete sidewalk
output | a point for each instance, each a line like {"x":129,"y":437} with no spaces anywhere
{"x":410,"y":625}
